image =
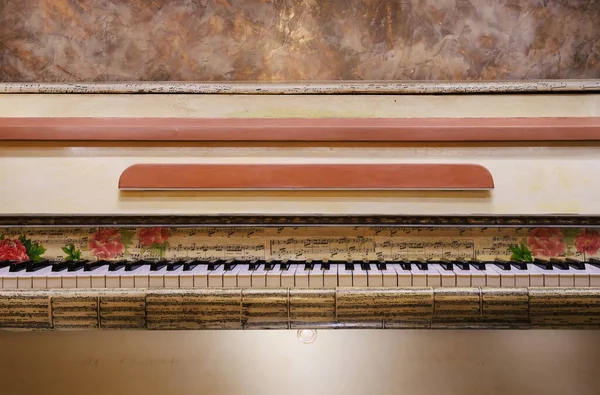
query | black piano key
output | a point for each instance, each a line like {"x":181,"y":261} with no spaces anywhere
{"x":73,"y":266}
{"x":189,"y":265}
{"x":365,"y":266}
{"x":157,"y":265}
{"x":174,"y":265}
{"x":91,"y":266}
{"x":381,"y":265}
{"x":116,"y":265}
{"x":502,"y":264}
{"x":326,"y":265}
{"x":542,"y":264}
{"x":132,"y":266}
{"x":461,"y":264}
{"x":309,"y":265}
{"x":253,"y":265}
{"x":557,"y":263}
{"x":594,"y":262}
{"x":575,"y":264}
{"x":476,"y":264}
{"x":230,"y":265}
{"x":405,"y":265}
{"x":446,"y":265}
{"x":349,"y":265}
{"x":34,"y":266}
{"x":6,"y":263}
{"x":519,"y":265}
{"x":420,"y":264}
{"x":60,"y":266}
{"x":214,"y":265}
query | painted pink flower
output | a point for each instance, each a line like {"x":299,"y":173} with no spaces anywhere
{"x":151,"y":236}
{"x":106,"y":243}
{"x":547,"y":242}
{"x":588,"y":241}
{"x":12,"y":250}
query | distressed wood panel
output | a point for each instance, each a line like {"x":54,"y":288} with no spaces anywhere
{"x":564,"y":307}
{"x":75,"y":310}
{"x":405,"y":307}
{"x":456,"y":306}
{"x":194,"y":309}
{"x":122,"y":309}
{"x":312,"y":308}
{"x":506,"y":307}
{"x":25,"y":309}
{"x":265,"y":308}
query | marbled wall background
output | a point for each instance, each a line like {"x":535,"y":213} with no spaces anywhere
{"x":276,"y":40}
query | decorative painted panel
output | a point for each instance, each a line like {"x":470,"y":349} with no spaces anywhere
{"x":301,"y":243}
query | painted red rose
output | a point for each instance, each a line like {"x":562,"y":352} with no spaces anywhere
{"x":12,"y":250}
{"x":588,"y":241}
{"x":150,"y":236}
{"x":547,"y":242}
{"x":106,"y":243}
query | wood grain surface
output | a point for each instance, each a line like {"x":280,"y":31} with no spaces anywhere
{"x":300,"y":129}
{"x":300,"y":177}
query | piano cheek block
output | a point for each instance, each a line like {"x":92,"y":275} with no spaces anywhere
{"x":306,"y":177}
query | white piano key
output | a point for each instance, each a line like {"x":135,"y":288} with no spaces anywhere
{"x":594,"y":273}
{"x":316,"y":276}
{"x":301,"y":278}
{"x":171,"y":278}
{"x":200,"y":276}
{"x":24,"y":280}
{"x":38,"y":278}
{"x":404,"y":277}
{"x":86,"y":279}
{"x":434,"y":278}
{"x":565,"y":278}
{"x":10,"y":279}
{"x":507,"y":277}
{"x":359,"y":277}
{"x":447,"y":277}
{"x":419,"y":276}
{"x":141,"y":277}
{"x":259,"y":277}
{"x":244,"y":276}
{"x":287,"y":276}
{"x":126,"y":278}
{"x":522,"y":277}
{"x":550,"y":276}
{"x":536,"y":279}
{"x":69,"y":279}
{"x":113,"y":279}
{"x":389,"y":276}
{"x":375,"y":277}
{"x":463,"y":277}
{"x":3,"y":272}
{"x":98,"y":277}
{"x":330,"y":276}
{"x":185,"y":277}
{"x":230,"y":277}
{"x":156,"y":278}
{"x":54,"y":279}
{"x":215,"y":277}
{"x":580,"y":278}
{"x":492,"y":278}
{"x":344,"y":275}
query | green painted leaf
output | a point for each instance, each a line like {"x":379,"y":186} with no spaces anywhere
{"x":34,"y":250}
{"x":521,"y":253}
{"x":73,"y":254}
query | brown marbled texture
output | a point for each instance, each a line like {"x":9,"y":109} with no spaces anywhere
{"x":285,"y":40}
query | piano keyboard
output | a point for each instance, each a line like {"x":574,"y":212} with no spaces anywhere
{"x":567,"y":273}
